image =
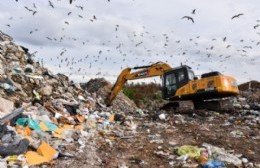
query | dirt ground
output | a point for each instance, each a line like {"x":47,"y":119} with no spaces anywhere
{"x":154,"y":143}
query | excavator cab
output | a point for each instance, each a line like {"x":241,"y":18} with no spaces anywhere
{"x":174,"y":79}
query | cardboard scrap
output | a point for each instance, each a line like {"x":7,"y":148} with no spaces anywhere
{"x":33,"y":158}
{"x":45,"y":153}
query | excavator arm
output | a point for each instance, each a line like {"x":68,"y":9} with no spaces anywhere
{"x":152,"y":70}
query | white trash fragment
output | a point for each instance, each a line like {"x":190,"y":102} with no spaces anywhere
{"x":162,"y":116}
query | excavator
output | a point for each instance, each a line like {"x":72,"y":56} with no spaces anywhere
{"x":183,"y":90}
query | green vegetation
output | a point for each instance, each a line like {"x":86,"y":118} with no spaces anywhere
{"x":142,"y":92}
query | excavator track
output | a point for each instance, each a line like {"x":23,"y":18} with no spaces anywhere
{"x":222,"y":105}
{"x":186,"y":106}
{"x":189,"y":106}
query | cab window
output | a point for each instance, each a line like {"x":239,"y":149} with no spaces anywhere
{"x":191,"y":75}
{"x":170,"y":83}
{"x":180,"y":76}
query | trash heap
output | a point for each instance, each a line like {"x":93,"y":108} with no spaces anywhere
{"x":200,"y":138}
{"x":45,"y":117}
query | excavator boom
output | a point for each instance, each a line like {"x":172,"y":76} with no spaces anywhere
{"x":152,"y":70}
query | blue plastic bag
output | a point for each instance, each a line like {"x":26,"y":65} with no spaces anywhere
{"x":213,"y":164}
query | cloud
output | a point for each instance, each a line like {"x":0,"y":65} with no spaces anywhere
{"x":147,"y":32}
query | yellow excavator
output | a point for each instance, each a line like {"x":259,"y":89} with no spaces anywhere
{"x":182,"y":88}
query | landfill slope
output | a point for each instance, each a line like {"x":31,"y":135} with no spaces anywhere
{"x":60,"y":112}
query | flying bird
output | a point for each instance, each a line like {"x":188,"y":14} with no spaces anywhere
{"x":256,"y":26}
{"x":248,"y":47}
{"x":237,"y":16}
{"x":138,"y":44}
{"x":80,"y":7}
{"x":51,"y":4}
{"x":30,"y":10}
{"x":188,"y":17}
{"x":193,"y":11}
{"x":70,"y":1}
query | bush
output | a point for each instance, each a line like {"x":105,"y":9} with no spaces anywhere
{"x":143,"y":92}
{"x":129,"y":92}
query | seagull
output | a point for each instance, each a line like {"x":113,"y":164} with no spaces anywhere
{"x":193,"y":11}
{"x":224,"y":39}
{"x":80,"y":7}
{"x":256,"y":26}
{"x":236,"y":16}
{"x":30,"y":10}
{"x":94,"y":17}
{"x":189,"y":18}
{"x":247,"y":47}
{"x":138,"y":44}
{"x":69,"y":13}
{"x":70,"y":1}
{"x":50,"y":3}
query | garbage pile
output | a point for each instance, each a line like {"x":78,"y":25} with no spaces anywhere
{"x":180,"y":140}
{"x":100,"y":89}
{"x":46,"y":118}
{"x":208,"y":139}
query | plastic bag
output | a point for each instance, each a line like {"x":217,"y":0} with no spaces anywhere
{"x":192,"y":151}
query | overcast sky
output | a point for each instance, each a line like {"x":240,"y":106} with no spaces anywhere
{"x":97,"y":38}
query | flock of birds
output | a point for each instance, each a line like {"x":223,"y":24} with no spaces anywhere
{"x":126,"y":51}
{"x":194,"y":11}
